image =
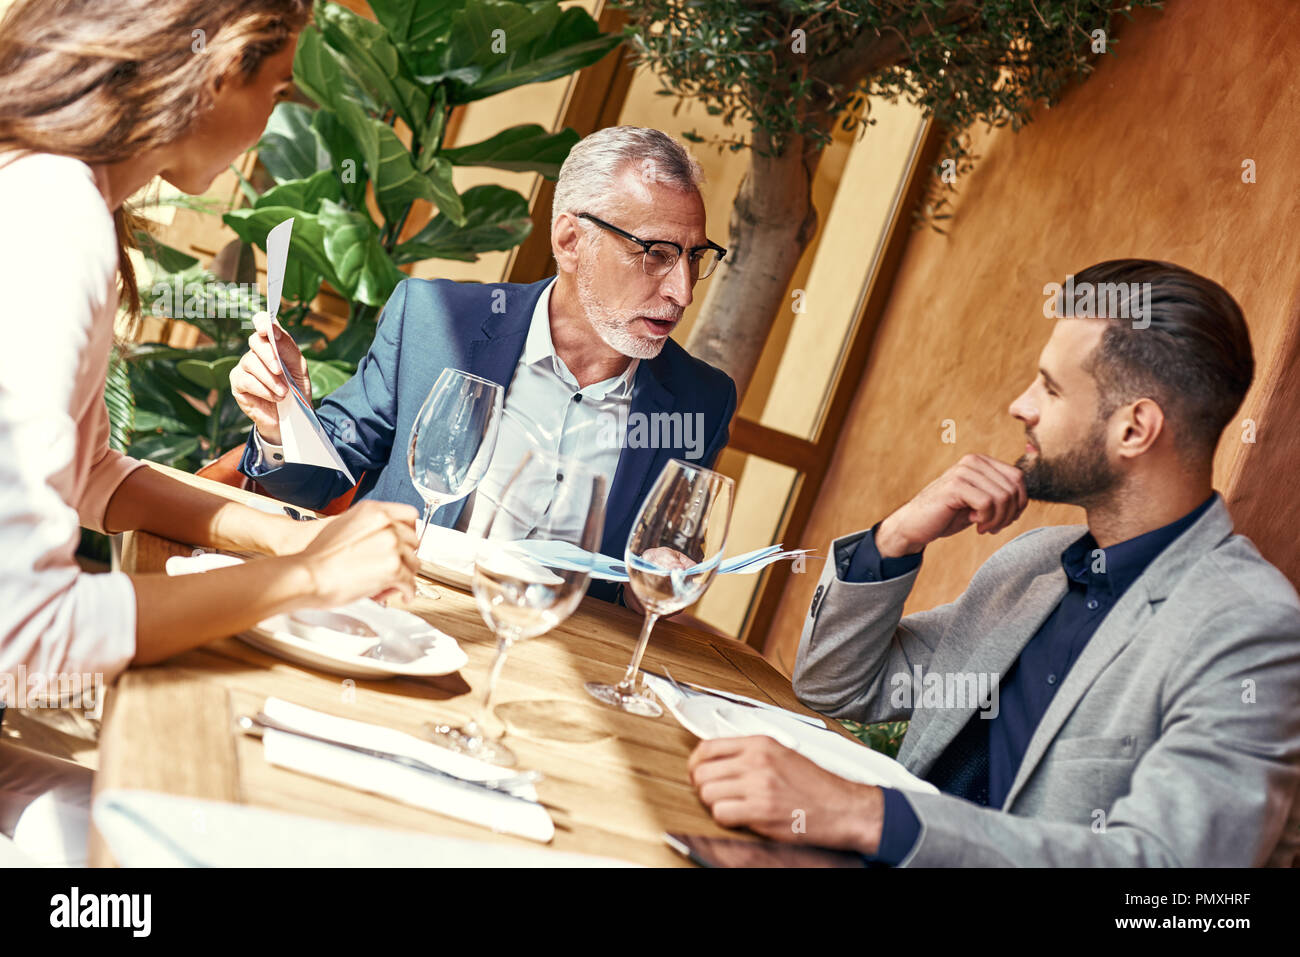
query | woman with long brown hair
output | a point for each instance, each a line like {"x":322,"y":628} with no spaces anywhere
{"x":98,"y":97}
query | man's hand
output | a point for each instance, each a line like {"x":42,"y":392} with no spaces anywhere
{"x":978,"y":490}
{"x":257,"y":383}
{"x":764,"y":786}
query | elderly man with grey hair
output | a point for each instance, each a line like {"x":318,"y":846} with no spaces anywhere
{"x":585,"y":356}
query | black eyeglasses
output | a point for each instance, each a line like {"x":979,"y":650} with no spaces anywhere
{"x":659,"y":256}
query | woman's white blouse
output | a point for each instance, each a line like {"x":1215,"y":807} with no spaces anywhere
{"x":58,"y":277}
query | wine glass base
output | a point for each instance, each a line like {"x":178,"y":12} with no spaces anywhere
{"x":471,"y":742}
{"x":639,"y":703}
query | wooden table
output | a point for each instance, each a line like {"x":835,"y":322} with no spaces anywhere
{"x":622,"y":778}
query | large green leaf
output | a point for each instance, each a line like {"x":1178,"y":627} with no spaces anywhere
{"x":303,"y":194}
{"x":161,"y":257}
{"x":160,"y":391}
{"x":287,"y":148}
{"x":392,"y":169}
{"x":496,"y":45}
{"x":416,"y":24}
{"x":528,"y":148}
{"x":351,"y":243}
{"x":374,"y":60}
{"x":327,"y":76}
{"x":349,"y":163}
{"x":307,"y":242}
{"x":209,"y":375}
{"x":495,"y":218}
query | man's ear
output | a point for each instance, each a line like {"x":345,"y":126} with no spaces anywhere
{"x":566,"y":238}
{"x":1140,"y":425}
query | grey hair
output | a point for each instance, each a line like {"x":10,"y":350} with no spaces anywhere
{"x":588,"y":178}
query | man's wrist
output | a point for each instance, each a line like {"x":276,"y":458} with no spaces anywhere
{"x":867,"y":819}
{"x":890,"y":543}
{"x":267,"y":445}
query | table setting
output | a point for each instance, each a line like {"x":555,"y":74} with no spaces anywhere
{"x":526,"y":577}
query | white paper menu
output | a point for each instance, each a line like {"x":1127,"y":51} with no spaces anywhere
{"x":304,"y":439}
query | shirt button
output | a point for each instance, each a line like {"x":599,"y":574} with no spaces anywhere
{"x":577,"y":397}
{"x":1092,"y":604}
{"x":559,"y":476}
{"x":1051,"y":679}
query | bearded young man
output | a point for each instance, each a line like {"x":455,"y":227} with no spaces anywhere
{"x":1147,"y":666}
{"x":585,"y":356}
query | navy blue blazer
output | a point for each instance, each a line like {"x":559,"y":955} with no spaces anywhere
{"x":431,"y":325}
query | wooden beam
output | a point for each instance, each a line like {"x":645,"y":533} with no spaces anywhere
{"x":759,"y":621}
{"x":766,"y":442}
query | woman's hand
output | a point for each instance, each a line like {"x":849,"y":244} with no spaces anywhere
{"x":369,"y":551}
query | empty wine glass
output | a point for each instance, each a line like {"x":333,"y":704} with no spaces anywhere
{"x":672,"y":555}
{"x":452,"y":441}
{"x":530,"y":571}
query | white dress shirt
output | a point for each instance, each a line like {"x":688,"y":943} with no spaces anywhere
{"x":544,"y":408}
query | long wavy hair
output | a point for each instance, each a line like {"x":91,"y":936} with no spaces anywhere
{"x":105,"y":80}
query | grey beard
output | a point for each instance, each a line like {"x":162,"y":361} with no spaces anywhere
{"x":612,"y":332}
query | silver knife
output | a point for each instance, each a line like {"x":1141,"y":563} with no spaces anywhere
{"x":254,"y":725}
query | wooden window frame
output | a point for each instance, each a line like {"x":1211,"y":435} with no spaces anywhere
{"x":812,"y":459}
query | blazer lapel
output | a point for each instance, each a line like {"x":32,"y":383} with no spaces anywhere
{"x":495,"y":353}
{"x":993,"y":654}
{"x":494,"y":356}
{"x":1129,"y":616}
{"x":637,"y":466}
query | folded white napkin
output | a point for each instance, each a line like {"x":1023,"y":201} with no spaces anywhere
{"x":663,"y":689}
{"x":380,"y":776}
{"x":708,"y":717}
{"x":148,"y":829}
{"x":449,"y":548}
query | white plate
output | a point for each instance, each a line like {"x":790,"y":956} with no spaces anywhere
{"x":338,"y":656}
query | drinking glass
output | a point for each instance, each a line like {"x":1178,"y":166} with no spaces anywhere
{"x":672,"y":555}
{"x":550,"y":505}
{"x":452,"y":441}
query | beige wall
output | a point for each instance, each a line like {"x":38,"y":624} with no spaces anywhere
{"x":1144,"y":159}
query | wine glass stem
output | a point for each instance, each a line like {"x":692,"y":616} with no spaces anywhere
{"x":429,"y":509}
{"x":628,"y":684}
{"x":503,"y":647}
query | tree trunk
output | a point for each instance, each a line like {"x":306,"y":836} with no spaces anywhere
{"x":772,"y":222}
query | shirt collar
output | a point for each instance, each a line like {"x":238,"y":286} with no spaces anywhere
{"x":539,"y":347}
{"x":1124,"y":562}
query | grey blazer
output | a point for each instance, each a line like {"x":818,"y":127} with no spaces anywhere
{"x":1174,"y":739}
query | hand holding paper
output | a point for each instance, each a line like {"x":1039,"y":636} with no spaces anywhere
{"x":263,"y":376}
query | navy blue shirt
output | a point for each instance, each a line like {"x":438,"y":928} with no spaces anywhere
{"x":1096,"y":578}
